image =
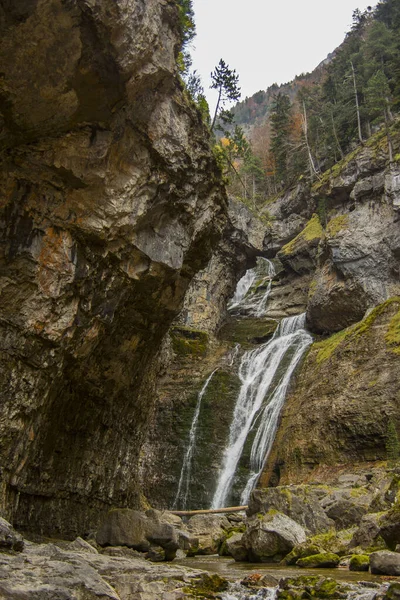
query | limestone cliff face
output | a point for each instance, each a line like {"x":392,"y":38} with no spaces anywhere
{"x":346,"y":395}
{"x":110,"y":202}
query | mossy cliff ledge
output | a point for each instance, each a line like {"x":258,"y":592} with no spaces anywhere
{"x":110,"y":203}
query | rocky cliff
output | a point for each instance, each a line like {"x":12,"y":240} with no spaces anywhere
{"x":335,"y":246}
{"x":110,"y":203}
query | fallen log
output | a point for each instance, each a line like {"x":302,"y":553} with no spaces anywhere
{"x":208,"y":511}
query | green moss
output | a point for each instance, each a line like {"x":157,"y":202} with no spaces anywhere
{"x":393,"y":591}
{"x":327,"y":560}
{"x":392,"y":336}
{"x":358,"y":492}
{"x":326,"y":589}
{"x":189,"y":342}
{"x":396,"y":158}
{"x":359,"y":562}
{"x":337,"y":224}
{"x":312,"y":289}
{"x":327,"y":347}
{"x":206,"y":586}
{"x":312,"y":231}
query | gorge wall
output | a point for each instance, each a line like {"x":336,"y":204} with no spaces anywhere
{"x":110,"y":203}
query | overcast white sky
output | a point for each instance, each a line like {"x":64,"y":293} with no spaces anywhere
{"x":267,"y":41}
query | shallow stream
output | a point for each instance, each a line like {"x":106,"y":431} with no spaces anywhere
{"x":232,"y":570}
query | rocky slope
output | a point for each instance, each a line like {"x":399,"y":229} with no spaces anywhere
{"x":110,"y":203}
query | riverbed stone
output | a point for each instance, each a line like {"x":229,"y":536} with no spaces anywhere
{"x":390,"y":528}
{"x":301,"y":551}
{"x":271,"y":536}
{"x":9,"y":538}
{"x":210,"y":533}
{"x":236,"y":548}
{"x":385,"y":562}
{"x":368,"y":533}
{"x":359,"y":562}
{"x":301,"y":503}
{"x":132,"y":528}
{"x":326,"y":560}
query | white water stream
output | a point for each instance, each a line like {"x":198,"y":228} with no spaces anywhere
{"x":262,"y":377}
{"x":184,"y":480}
{"x":250,"y":300}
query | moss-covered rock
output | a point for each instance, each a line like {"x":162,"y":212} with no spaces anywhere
{"x":293,"y":588}
{"x":247,"y":330}
{"x":187,"y":341}
{"x":327,"y":560}
{"x":359,"y":562}
{"x":311,"y":235}
{"x":301,"y":551}
{"x":206,"y":586}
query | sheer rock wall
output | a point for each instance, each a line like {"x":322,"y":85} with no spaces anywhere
{"x":110,"y":202}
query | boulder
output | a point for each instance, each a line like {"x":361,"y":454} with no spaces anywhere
{"x":9,"y":538}
{"x":385,"y":562}
{"x":132,"y":528}
{"x":359,"y":562}
{"x":210,"y":532}
{"x":327,"y":560}
{"x":301,"y":551}
{"x":393,"y":592}
{"x":368,"y":532}
{"x":235,"y":547}
{"x":390,"y":528}
{"x":301,"y":503}
{"x":124,"y":527}
{"x":346,"y":513}
{"x":271,"y":537}
{"x":311,"y":586}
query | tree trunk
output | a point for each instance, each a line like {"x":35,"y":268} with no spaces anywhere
{"x":357,"y":105}
{"x":208,"y":511}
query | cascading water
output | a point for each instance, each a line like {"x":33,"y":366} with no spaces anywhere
{"x":184,"y":480}
{"x":253,"y":299}
{"x":265,"y":374}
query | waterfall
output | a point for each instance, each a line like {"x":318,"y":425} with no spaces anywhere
{"x":254,"y":301}
{"x":184,"y":480}
{"x":265,"y":372}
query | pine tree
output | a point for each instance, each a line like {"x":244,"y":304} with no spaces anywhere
{"x":280,"y":136}
{"x":225,"y":81}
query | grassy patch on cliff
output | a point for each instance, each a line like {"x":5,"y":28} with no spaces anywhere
{"x":337,"y":224}
{"x":189,"y":342}
{"x":326,"y":348}
{"x":313,"y":231}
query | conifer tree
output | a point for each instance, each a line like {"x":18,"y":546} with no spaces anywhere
{"x":280,"y":136}
{"x":226,"y":82}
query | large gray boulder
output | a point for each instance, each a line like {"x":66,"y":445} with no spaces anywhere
{"x":9,"y":538}
{"x":138,"y":530}
{"x":235,"y":547}
{"x":300,"y":503}
{"x":385,"y":562}
{"x":272,"y":536}
{"x":390,"y":528}
{"x":368,"y":532}
{"x":210,"y":533}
